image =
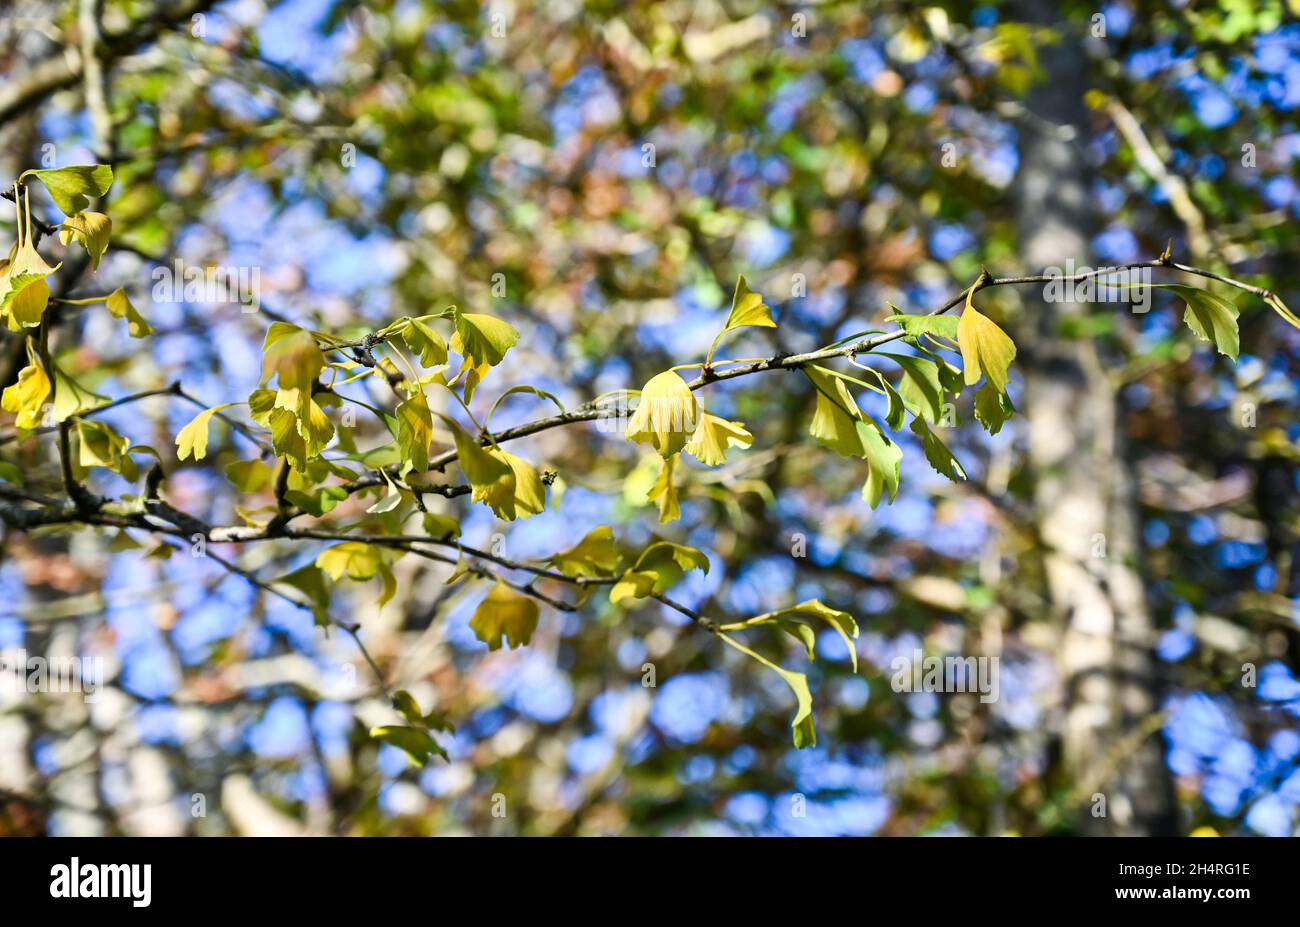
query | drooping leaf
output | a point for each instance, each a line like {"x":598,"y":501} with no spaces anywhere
{"x":663,"y":493}
{"x":92,"y":230}
{"x":414,"y":432}
{"x":992,"y":408}
{"x":1210,"y":316}
{"x":936,"y":452}
{"x":507,"y":614}
{"x":27,"y":395}
{"x":666,"y":416}
{"x":361,"y":561}
{"x":920,"y":387}
{"x":249,"y":475}
{"x":813,"y":610}
{"x":121,"y":307}
{"x":713,"y":435}
{"x":310,"y":581}
{"x":836,"y":419}
{"x":805,"y":734}
{"x":884,"y":458}
{"x":985,"y":348}
{"x":99,"y":445}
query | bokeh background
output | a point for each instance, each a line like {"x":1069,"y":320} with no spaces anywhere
{"x":388,"y":159}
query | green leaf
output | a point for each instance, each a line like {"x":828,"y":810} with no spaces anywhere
{"x":414,"y":432}
{"x":310,"y":581}
{"x":482,"y":339}
{"x":71,"y":186}
{"x":835,"y":422}
{"x":320,"y":501}
{"x":71,"y":398}
{"x":884,"y":458}
{"x":440,"y":526}
{"x":121,"y":307}
{"x":26,"y":396}
{"x":663,"y":493}
{"x":100,"y":446}
{"x":944,"y":326}
{"x":660,"y":566}
{"x":805,"y":734}
{"x":291,"y":353}
{"x":92,"y":231}
{"x":993,"y":407}
{"x":249,"y":475}
{"x":416,"y":742}
{"x":193,"y":438}
{"x":985,"y":348}
{"x":936,"y":452}
{"x":920,"y":387}
{"x":506,"y":614}
{"x":24,"y":303}
{"x":425,"y":342}
{"x":1212,"y":317}
{"x":597,"y":554}
{"x":807,"y":612}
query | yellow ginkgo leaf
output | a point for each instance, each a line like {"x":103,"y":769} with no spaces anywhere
{"x":92,"y":230}
{"x":121,"y":307}
{"x":482,"y":339}
{"x":666,"y":416}
{"x":504,"y":614}
{"x":529,"y":494}
{"x":597,"y":554}
{"x":713,"y":435}
{"x":491,"y":478}
{"x":748,"y":308}
{"x":193,"y":438}
{"x":27,"y":395}
{"x":664,"y":494}
{"x":292,"y":354}
{"x":985,"y":348}
{"x":835,"y":422}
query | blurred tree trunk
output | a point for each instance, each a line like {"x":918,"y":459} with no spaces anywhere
{"x":1083,"y":484}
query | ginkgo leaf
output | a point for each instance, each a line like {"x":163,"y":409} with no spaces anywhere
{"x":414,"y":432}
{"x":812,"y":610}
{"x":92,"y":230}
{"x":425,"y":342}
{"x":944,"y":326}
{"x":69,"y":187}
{"x":529,"y":493}
{"x":193,"y":438}
{"x":835,"y":422}
{"x":249,"y":475}
{"x":659,"y":567}
{"x":936,"y":452}
{"x":597,"y":554}
{"x":121,"y":306}
{"x":663,"y":493}
{"x":415,"y":742}
{"x":713,"y":435}
{"x":985,"y":348}
{"x":27,"y":395}
{"x":24,"y":304}
{"x":491,"y":478}
{"x":665,"y":417}
{"x":1210,"y":316}
{"x":360,"y":561}
{"x":440,"y":526}
{"x":291,"y":353}
{"x":804,"y":733}
{"x":310,"y":580}
{"x":482,"y":339}
{"x":992,"y":408}
{"x":71,"y":398}
{"x":99,"y":445}
{"x":884,"y":458}
{"x":506,"y":614}
{"x":286,"y":438}
{"x":920,"y":387}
